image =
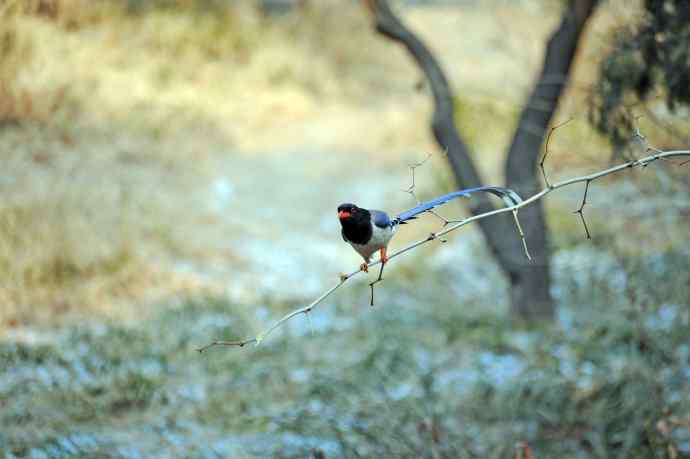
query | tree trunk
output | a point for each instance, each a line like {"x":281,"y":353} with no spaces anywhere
{"x":530,"y":281}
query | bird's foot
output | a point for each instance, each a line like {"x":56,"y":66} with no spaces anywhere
{"x":364,"y":267}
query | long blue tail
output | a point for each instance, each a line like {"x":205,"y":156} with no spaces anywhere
{"x":509,"y":197}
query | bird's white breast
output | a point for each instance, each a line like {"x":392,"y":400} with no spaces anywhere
{"x":380,"y":237}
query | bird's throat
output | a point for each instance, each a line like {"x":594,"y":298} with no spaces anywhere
{"x":357,"y":230}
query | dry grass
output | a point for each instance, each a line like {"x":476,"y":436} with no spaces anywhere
{"x":72,"y":240}
{"x":98,"y":162}
{"x":115,"y":121}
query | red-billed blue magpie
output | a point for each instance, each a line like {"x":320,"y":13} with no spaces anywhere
{"x":370,"y":230}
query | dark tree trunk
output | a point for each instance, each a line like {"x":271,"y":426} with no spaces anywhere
{"x":530,"y":281}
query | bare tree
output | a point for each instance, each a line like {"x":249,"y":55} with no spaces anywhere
{"x":529,"y":281}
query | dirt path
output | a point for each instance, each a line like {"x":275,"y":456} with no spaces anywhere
{"x":285,"y":238}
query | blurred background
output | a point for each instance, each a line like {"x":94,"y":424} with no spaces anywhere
{"x":170,"y":171}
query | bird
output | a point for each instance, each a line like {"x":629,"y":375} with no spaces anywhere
{"x":369,"y":230}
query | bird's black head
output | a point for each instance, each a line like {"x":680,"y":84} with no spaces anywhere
{"x":356,"y":223}
{"x":346,"y":210}
{"x":350,"y":212}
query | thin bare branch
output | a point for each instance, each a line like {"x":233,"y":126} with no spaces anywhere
{"x":546,"y":149}
{"x":445,"y":221}
{"x":371,"y":285}
{"x":522,"y":234}
{"x":642,"y":140}
{"x":305,"y":310}
{"x":227,"y":343}
{"x":411,"y":190}
{"x":582,"y":207}
{"x":587,"y":179}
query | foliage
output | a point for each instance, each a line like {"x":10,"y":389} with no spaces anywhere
{"x":649,"y":56}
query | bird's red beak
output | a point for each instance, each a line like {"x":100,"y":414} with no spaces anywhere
{"x":343,"y":214}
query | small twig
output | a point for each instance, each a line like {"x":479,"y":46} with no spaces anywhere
{"x":522,"y":234}
{"x":643,"y":140}
{"x":546,"y":149}
{"x":445,"y":221}
{"x":411,"y":191}
{"x":305,"y":310}
{"x":227,"y":343}
{"x":371,"y":285}
{"x":457,"y":225}
{"x":638,"y":135}
{"x":582,"y":207}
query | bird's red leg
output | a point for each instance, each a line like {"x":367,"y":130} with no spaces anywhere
{"x":384,"y":257}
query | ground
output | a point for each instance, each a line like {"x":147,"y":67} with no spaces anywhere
{"x":171,"y":177}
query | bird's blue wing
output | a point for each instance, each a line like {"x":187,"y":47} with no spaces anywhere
{"x":380,"y":218}
{"x":509,"y":197}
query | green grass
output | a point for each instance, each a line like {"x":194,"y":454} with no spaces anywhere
{"x":402,"y":379}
